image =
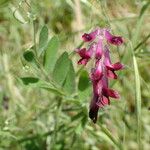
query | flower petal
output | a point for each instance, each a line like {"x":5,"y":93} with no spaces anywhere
{"x":107,"y":60}
{"x":103,"y":101}
{"x":87,"y":37}
{"x":91,"y":49}
{"x":99,"y":49}
{"x":115,"y":40}
{"x":91,"y":36}
{"x":117,"y":66}
{"x":93,"y":114}
{"x":111,"y":93}
{"x":94,"y":109}
{"x":97,"y":72}
{"x":111,"y":74}
{"x":83,"y":61}
{"x":83,"y":53}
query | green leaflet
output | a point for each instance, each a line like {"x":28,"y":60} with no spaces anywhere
{"x":43,"y":38}
{"x":61,"y":69}
{"x":84,"y":88}
{"x":83,"y":81}
{"x":28,"y":55}
{"x":51,"y":53}
{"x":29,"y":80}
{"x":69,"y":85}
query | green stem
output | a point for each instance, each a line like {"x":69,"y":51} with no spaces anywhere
{"x":34,"y":36}
{"x":142,"y":42}
{"x":107,"y":132}
{"x":57,"y":115}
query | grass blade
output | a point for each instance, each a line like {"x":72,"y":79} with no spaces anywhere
{"x":138,"y":100}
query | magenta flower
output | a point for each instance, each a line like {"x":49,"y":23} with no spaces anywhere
{"x":86,"y":54}
{"x":111,"y":68}
{"x":115,"y":40}
{"x":103,"y":69}
{"x":88,"y":37}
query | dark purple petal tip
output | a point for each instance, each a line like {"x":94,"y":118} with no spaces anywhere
{"x":86,"y":37}
{"x":93,"y":113}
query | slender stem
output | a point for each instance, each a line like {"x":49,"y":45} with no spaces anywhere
{"x":57,"y":115}
{"x":107,"y":132}
{"x":103,"y":7}
{"x":34,"y":36}
{"x":142,"y":42}
{"x":78,"y":15}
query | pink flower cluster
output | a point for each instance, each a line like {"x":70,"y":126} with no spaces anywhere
{"x":104,"y":69}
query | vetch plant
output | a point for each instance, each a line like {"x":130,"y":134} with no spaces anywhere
{"x":99,"y":41}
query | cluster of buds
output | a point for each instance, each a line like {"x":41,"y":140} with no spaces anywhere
{"x":98,"y":49}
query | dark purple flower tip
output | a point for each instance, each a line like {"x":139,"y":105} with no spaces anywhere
{"x":87,"y":37}
{"x":91,"y":36}
{"x":99,"y":49}
{"x":93,"y":114}
{"x":118,"y":66}
{"x":94,"y":108}
{"x":83,"y":61}
{"x":115,"y":40}
{"x":115,"y":67}
{"x":111,"y":93}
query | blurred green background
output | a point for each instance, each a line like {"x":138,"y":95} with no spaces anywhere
{"x":32,"y":118}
